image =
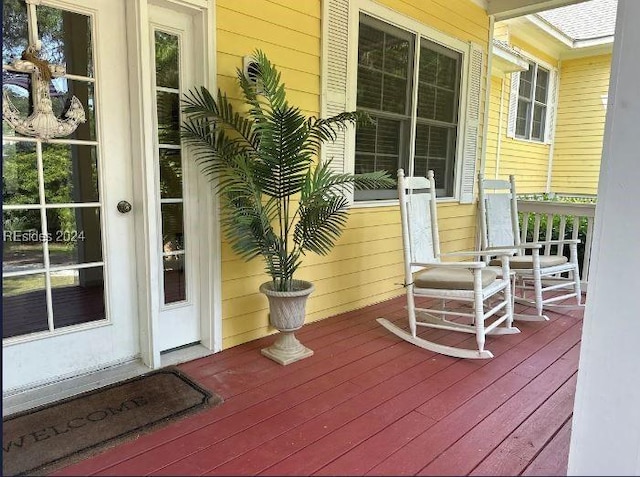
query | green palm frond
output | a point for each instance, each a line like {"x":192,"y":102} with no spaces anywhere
{"x":259,"y":160}
{"x":321,"y":223}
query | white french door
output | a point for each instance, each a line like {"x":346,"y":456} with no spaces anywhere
{"x":173,"y":73}
{"x":69,"y":287}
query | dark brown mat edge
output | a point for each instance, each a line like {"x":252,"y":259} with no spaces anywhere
{"x":120,"y":438}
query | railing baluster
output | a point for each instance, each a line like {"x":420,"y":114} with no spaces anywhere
{"x":549,"y":234}
{"x":524,"y":228}
{"x":561,"y":234}
{"x":567,"y":211}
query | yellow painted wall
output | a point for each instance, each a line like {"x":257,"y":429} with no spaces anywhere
{"x":527,"y":160}
{"x":501,"y":31}
{"x":366,"y":265}
{"x":580,"y":124}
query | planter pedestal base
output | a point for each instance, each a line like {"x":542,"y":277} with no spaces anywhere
{"x":287,"y":349}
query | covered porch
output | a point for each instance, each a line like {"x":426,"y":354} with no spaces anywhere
{"x":369,"y":403}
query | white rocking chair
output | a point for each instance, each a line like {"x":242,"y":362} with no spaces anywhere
{"x":426,"y":276}
{"x":499,"y":228}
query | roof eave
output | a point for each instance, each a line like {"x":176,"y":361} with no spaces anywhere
{"x":505,"y":61}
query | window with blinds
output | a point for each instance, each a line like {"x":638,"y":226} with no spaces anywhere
{"x":388,"y":91}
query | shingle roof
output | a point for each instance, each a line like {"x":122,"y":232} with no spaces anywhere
{"x":583,"y":21}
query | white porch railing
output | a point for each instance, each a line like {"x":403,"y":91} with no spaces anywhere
{"x":570,"y":216}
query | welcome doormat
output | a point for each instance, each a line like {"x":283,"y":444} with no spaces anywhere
{"x":66,"y":431}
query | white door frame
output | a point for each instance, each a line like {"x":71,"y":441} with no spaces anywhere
{"x":148,"y":264}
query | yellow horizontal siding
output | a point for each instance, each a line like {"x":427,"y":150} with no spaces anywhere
{"x":501,"y":31}
{"x":580,"y":124}
{"x":365,"y":267}
{"x":530,"y":50}
{"x":527,"y":160}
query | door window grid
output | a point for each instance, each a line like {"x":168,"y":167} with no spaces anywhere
{"x":53,"y":266}
{"x":385,"y":145}
{"x":169,"y":150}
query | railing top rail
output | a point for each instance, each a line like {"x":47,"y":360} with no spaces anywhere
{"x":559,"y":208}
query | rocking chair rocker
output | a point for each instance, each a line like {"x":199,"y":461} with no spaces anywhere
{"x":425,"y":275}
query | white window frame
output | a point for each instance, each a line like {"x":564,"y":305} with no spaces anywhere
{"x":340,"y":32}
{"x":534,"y":67}
{"x":552,"y":102}
{"x":420,"y":30}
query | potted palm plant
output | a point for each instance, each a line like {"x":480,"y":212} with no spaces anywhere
{"x":277,"y":200}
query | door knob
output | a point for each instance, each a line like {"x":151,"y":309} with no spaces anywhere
{"x":124,"y":207}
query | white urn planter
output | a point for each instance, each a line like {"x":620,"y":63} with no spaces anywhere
{"x":286,"y":314}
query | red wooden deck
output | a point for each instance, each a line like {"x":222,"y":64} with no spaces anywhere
{"x":369,"y":403}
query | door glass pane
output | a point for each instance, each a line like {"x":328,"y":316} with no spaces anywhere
{"x":172,"y":228}
{"x":74,"y":235}
{"x":63,"y":90}
{"x":175,"y":284}
{"x":20,"y":173}
{"x":66,"y":39}
{"x":22,"y":241}
{"x":17,"y":86}
{"x":15,"y":33}
{"x":24,"y":305}
{"x":168,"y":118}
{"x":170,"y":174}
{"x":167,"y":60}
{"x":70,"y":172}
{"x":77,"y":296}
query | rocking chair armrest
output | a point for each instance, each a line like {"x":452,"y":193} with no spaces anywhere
{"x":482,"y":253}
{"x":522,"y":246}
{"x":555,"y":242}
{"x":450,"y":265}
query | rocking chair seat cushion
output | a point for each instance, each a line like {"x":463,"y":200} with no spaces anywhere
{"x":523,"y":262}
{"x":456,"y":279}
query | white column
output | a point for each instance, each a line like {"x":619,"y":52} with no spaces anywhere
{"x":606,"y":420}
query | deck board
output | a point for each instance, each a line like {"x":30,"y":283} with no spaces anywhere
{"x":553,"y":458}
{"x":369,"y":403}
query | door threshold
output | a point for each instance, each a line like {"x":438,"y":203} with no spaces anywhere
{"x":48,"y":393}
{"x":183,"y":354}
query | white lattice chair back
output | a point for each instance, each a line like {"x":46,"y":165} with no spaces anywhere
{"x":498,"y":212}
{"x":419,"y":220}
{"x":499,"y":228}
